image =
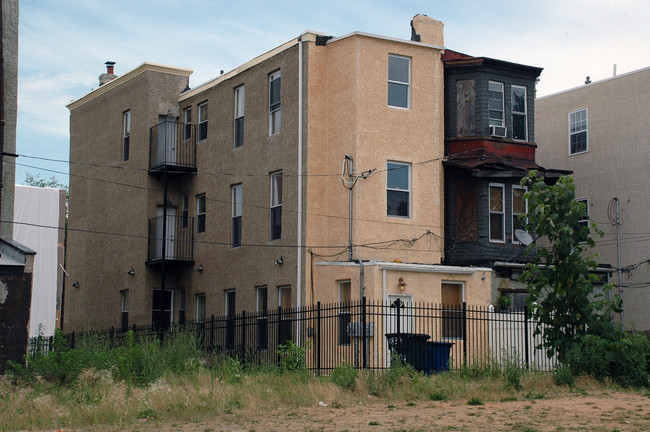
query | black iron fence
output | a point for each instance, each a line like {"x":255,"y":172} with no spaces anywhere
{"x":366,"y":334}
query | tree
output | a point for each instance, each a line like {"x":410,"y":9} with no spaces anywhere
{"x":52,"y":182}
{"x":560,"y":280}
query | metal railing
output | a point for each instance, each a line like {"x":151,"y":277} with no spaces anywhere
{"x":172,"y":145}
{"x":367,"y":335}
{"x":179,"y":243}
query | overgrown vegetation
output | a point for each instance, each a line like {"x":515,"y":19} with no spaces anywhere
{"x":146,"y":380}
{"x":575,"y":321}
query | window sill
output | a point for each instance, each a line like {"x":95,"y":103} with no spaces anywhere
{"x":578,"y":153}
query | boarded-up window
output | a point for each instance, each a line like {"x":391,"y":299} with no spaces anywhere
{"x":465,"y":105}
{"x":466,"y":211}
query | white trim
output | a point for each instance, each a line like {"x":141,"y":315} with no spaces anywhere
{"x":586,"y":130}
{"x":401,"y":83}
{"x":416,"y":268}
{"x":387,"y":38}
{"x":525,"y":113}
{"x":503,"y":104}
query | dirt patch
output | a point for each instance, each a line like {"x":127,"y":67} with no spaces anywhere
{"x":607,"y":413}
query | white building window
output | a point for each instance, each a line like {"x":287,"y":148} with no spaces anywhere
{"x":275,"y":117}
{"x":237,"y":192}
{"x":239,"y":116}
{"x":578,"y":131}
{"x":200,"y":213}
{"x":203,"y":121}
{"x":276,"y":205}
{"x":519,"y":113}
{"x":126,"y":134}
{"x":399,"y":81}
{"x":496,"y":100}
{"x":187,"y":123}
{"x":398,"y":181}
{"x":200,"y":308}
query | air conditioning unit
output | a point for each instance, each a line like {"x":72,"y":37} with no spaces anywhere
{"x":498,"y":131}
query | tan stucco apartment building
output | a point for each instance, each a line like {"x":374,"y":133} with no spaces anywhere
{"x":247,"y":191}
{"x":601,"y":132}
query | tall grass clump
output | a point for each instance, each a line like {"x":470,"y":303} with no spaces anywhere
{"x":622,"y":357}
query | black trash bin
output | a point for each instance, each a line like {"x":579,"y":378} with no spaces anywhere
{"x":411,"y":347}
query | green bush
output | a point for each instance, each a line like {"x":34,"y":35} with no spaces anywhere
{"x":345,"y":376}
{"x":562,"y":375}
{"x":292,"y":357}
{"x":621,"y":356}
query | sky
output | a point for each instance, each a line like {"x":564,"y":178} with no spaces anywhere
{"x":63,"y":45}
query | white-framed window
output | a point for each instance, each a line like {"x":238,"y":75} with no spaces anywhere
{"x":203,"y":121}
{"x":187,"y":123}
{"x":200,"y":213}
{"x":262,"y":299}
{"x":398,"y":189}
{"x":578,"y":122}
{"x":275,"y":113}
{"x":284,"y":297}
{"x":239,"y":115}
{"x":452,"y":296}
{"x":262,"y":336}
{"x":345,"y":309}
{"x":124,"y":299}
{"x":126,"y":134}
{"x":497,"y":213}
{"x":519,"y":113}
{"x":584,"y":219}
{"x":519,"y":207}
{"x":237,"y":196}
{"x":496,"y":104}
{"x":399,"y":81}
{"x":276,"y":205}
{"x":200,"y":308}
{"x":185,"y":210}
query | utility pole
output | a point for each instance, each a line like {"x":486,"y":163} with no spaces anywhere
{"x":349,"y":183}
{"x":618,"y":250}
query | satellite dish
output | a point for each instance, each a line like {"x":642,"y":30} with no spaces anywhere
{"x":523,"y":236}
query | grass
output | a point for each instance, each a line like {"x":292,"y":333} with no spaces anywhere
{"x":184,"y":388}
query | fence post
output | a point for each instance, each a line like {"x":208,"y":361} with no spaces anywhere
{"x":465,"y":333}
{"x":243,"y":336}
{"x":112,"y":337}
{"x":212,"y":332}
{"x":318,"y":348}
{"x":363,"y":326}
{"x":526,"y":342}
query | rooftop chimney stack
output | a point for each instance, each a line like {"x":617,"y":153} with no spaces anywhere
{"x":109,"y":75}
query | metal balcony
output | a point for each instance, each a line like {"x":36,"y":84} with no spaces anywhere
{"x":178,"y":246}
{"x":172,"y":145}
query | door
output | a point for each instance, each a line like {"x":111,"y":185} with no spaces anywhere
{"x":399,"y":318}
{"x":169,"y":232}
{"x":167,"y":139}
{"x":451,"y":294}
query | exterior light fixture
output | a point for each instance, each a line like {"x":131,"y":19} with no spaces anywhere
{"x":279,"y":261}
{"x":76,"y":284}
{"x":401,"y":283}
{"x":199,"y":268}
{"x":131,"y":272}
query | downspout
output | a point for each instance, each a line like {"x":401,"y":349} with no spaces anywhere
{"x":361,"y":287}
{"x":299,"y":247}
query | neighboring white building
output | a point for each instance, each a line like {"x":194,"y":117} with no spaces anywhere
{"x":39,"y":223}
{"x":601,"y":132}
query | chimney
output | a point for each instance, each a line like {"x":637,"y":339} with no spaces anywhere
{"x":427,"y":30}
{"x":109,"y":75}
